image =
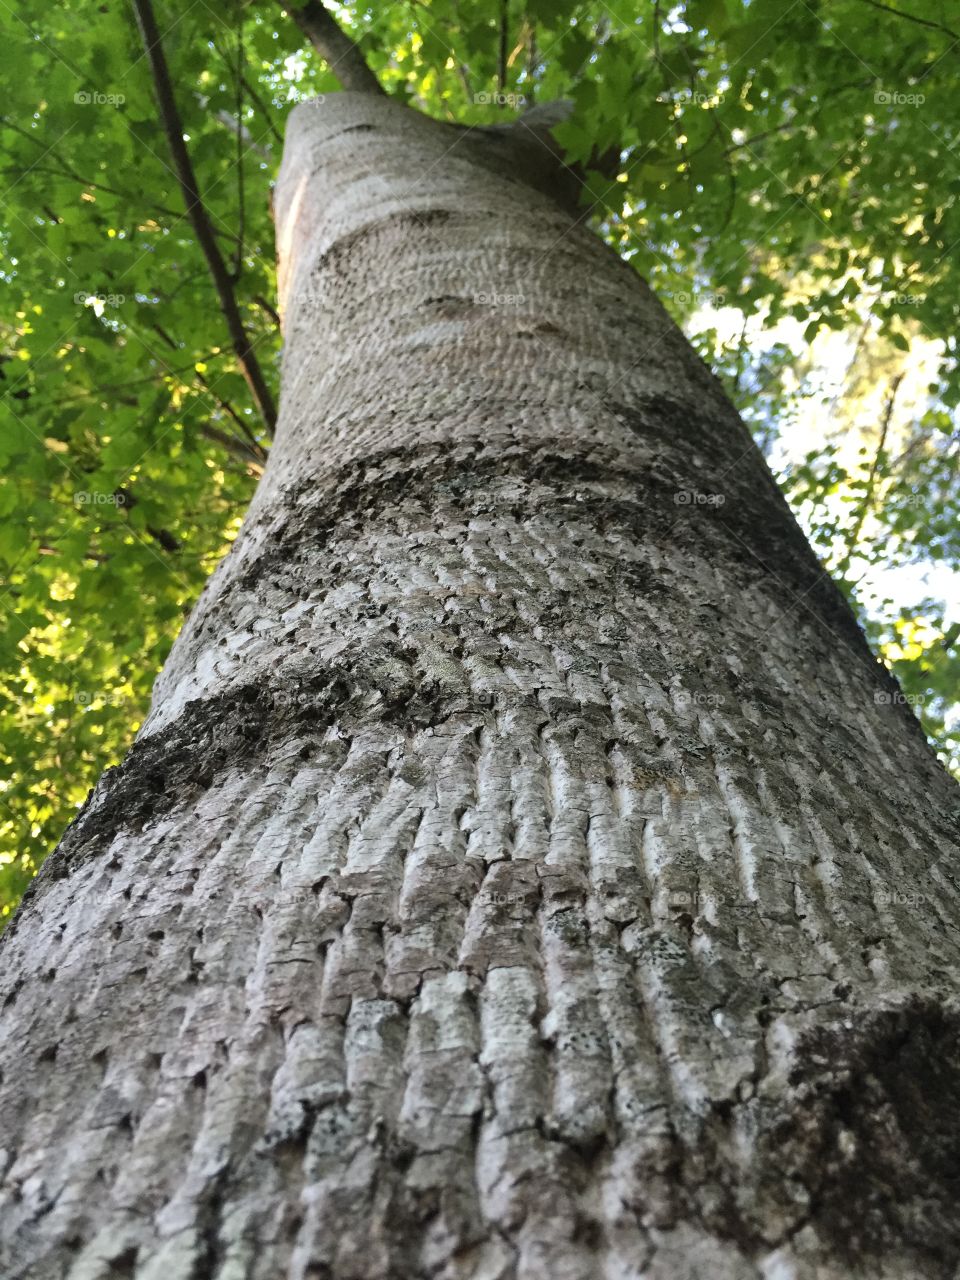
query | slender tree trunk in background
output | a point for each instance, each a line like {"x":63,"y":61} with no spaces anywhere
{"x":525,"y":870}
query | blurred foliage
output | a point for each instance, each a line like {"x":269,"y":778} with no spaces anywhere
{"x":795,"y":163}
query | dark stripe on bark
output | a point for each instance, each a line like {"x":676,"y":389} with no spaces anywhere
{"x":668,"y":506}
{"x":762,"y":542}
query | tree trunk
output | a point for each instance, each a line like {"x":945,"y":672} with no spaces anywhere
{"x":525,"y":870}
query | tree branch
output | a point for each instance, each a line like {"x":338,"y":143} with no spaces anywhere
{"x":239,"y":448}
{"x":262,"y":107}
{"x":253,"y":444}
{"x":173,"y":128}
{"x":257,"y":101}
{"x":879,"y":457}
{"x":241,"y":210}
{"x":912,"y":17}
{"x":340,"y":53}
{"x":65,"y":171}
{"x":502,"y":51}
{"x":265,"y":306}
{"x":463,"y":71}
{"x":796,"y":119}
{"x":243,"y":133}
{"x":533,"y":57}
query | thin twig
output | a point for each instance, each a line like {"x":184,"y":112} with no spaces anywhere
{"x":533,"y":57}
{"x":250,"y":448}
{"x":203,"y":230}
{"x":223,"y":404}
{"x":252,"y":441}
{"x":99,"y":393}
{"x":341,"y":54}
{"x":262,"y":106}
{"x":238,"y":259}
{"x":716,"y":133}
{"x":229,"y":121}
{"x":253,"y":96}
{"x":854,"y":536}
{"x":740,"y":347}
{"x":271,"y":311}
{"x":912,"y":17}
{"x":797,"y":118}
{"x":66,"y":172}
{"x":502,"y":55}
{"x":463,"y":71}
{"x":239,"y":448}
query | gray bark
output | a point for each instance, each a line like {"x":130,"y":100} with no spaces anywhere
{"x":525,"y":872}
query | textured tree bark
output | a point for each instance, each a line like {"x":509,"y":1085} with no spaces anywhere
{"x":525,"y":870}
